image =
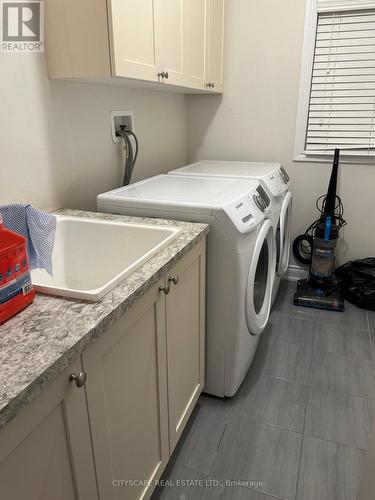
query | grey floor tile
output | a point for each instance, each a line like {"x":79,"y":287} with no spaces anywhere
{"x":251,"y":451}
{"x":336,"y":373}
{"x":179,"y":482}
{"x":233,"y":493}
{"x":284,"y":302}
{"x":353,"y":317}
{"x":328,"y":471}
{"x":372,"y":337}
{"x":299,"y":331}
{"x":273,"y":401}
{"x":282,"y":360}
{"x":371,"y":320}
{"x":199,"y":443}
{"x":343,"y":340}
{"x":337,"y":417}
{"x":222,"y":404}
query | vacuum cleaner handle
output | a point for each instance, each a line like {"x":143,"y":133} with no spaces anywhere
{"x":330,"y":204}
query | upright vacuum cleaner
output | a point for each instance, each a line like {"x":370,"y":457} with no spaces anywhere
{"x":322,"y":289}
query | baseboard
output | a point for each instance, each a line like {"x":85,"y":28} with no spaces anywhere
{"x":295,"y":273}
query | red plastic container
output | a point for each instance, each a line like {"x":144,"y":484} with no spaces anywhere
{"x":16,"y":290}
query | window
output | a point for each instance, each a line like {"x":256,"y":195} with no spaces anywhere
{"x":337,"y":95}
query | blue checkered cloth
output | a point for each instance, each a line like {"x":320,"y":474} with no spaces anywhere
{"x":39,"y":228}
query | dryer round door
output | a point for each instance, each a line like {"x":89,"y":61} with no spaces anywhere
{"x":260,"y":280}
{"x":283,"y":235}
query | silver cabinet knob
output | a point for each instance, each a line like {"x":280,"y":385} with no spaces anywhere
{"x":163,"y":74}
{"x":165,"y":289}
{"x":210,"y":85}
{"x":174,"y":280}
{"x":166,"y":75}
{"x":80,"y":379}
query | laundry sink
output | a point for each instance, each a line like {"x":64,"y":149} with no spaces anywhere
{"x":92,"y":256}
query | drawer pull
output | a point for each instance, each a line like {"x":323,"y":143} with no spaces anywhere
{"x":174,"y":280}
{"x":80,"y":379}
{"x":165,"y":289}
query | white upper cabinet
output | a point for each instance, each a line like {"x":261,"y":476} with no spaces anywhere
{"x":132,"y":38}
{"x":215,"y":44}
{"x":195,"y":48}
{"x":170,"y":43}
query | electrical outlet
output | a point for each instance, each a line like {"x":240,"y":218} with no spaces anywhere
{"x":119,"y":119}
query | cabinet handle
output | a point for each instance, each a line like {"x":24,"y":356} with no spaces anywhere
{"x":210,"y":85}
{"x":165,"y":289}
{"x":80,"y":379}
{"x":174,"y":280}
{"x":163,"y":74}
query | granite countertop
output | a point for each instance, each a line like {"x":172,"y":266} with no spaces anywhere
{"x":43,"y":340}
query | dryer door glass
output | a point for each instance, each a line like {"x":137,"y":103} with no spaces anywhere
{"x":261,"y":276}
{"x":260,"y":280}
{"x":278,"y":246}
{"x":284,"y":241}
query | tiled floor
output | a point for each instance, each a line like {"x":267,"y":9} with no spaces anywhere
{"x":299,"y":424}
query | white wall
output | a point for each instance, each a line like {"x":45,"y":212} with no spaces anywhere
{"x":256,"y":117}
{"x":55,"y":143}
{"x":56,"y":148}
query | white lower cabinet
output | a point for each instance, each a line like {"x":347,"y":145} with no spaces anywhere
{"x":112,"y":437}
{"x":45,"y":451}
{"x":127,"y":400}
{"x":144,"y":377}
{"x":185,"y":339}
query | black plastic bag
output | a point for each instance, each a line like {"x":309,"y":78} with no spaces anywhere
{"x":358,"y":282}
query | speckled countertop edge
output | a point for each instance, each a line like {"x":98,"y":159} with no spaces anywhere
{"x":43,"y":340}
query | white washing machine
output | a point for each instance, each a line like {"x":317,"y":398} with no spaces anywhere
{"x":240,"y":260}
{"x":276,"y":182}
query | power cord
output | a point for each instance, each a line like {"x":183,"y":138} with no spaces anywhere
{"x":130,"y":157}
{"x":337,"y":213}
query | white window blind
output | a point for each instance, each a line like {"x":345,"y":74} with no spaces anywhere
{"x":340,"y":5}
{"x":342,"y":96}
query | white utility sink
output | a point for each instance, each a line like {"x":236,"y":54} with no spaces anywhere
{"x":92,"y":256}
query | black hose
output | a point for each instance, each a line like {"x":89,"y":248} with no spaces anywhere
{"x":131,"y":158}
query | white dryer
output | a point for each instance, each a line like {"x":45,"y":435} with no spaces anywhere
{"x":240,"y":260}
{"x":276,"y":182}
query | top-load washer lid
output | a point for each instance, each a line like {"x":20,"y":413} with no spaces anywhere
{"x":272,"y":175}
{"x":245,"y":203}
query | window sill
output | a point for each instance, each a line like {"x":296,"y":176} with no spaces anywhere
{"x":362,"y":160}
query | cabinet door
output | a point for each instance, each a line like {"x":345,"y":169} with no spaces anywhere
{"x":45,"y":451}
{"x":195,"y":42}
{"x":127,"y":400}
{"x":132,"y":39}
{"x":215,"y":43}
{"x":169,"y":40}
{"x":185,"y":338}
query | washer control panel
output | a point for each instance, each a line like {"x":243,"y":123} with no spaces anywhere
{"x":278,"y":182}
{"x":248,"y":211}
